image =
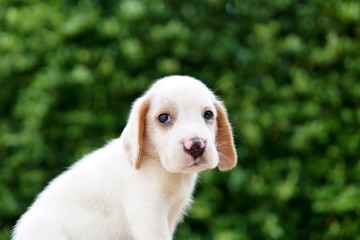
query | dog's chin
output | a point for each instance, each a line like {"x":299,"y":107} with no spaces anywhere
{"x":196,"y":167}
{"x":184,"y":163}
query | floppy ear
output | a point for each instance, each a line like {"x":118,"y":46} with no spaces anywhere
{"x":133,"y":134}
{"x":224,"y":139}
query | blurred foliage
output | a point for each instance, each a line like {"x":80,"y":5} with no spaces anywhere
{"x":288,"y":71}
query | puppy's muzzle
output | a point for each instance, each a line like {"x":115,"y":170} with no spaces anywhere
{"x":195,"y":147}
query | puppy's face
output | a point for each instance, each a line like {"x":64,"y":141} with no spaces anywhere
{"x":182,"y":124}
{"x":179,"y":121}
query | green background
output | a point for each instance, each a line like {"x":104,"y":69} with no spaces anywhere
{"x":287,"y":70}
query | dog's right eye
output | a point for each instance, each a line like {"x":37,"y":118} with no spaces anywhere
{"x":164,"y":118}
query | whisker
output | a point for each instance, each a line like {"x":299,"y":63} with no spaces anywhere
{"x":223,"y":144}
{"x":223,"y":158}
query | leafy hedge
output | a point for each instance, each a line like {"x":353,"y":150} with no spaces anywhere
{"x":288,"y":71}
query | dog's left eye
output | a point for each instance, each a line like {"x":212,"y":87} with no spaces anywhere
{"x":164,"y":118}
{"x":208,"y":116}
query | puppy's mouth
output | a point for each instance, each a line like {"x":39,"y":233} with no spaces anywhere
{"x":197,"y":162}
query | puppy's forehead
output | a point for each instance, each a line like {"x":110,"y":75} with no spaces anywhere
{"x":182,"y":90}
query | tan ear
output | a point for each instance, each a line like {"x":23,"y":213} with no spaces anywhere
{"x":224,"y":139}
{"x":133,"y":134}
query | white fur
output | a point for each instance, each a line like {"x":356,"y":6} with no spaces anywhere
{"x":137,"y":186}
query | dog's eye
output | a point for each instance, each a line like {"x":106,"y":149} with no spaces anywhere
{"x":208,"y":116}
{"x":164,"y":118}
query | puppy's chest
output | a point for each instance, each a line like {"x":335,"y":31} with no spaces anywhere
{"x":178,"y":201}
{"x":178,"y":193}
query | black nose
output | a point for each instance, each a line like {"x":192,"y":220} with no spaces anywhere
{"x":195,"y":147}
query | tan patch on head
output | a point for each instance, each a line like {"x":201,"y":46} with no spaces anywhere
{"x":168,"y":107}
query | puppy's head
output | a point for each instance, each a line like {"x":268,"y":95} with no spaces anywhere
{"x":180,"y":122}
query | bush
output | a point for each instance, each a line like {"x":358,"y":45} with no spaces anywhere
{"x":287,"y":70}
